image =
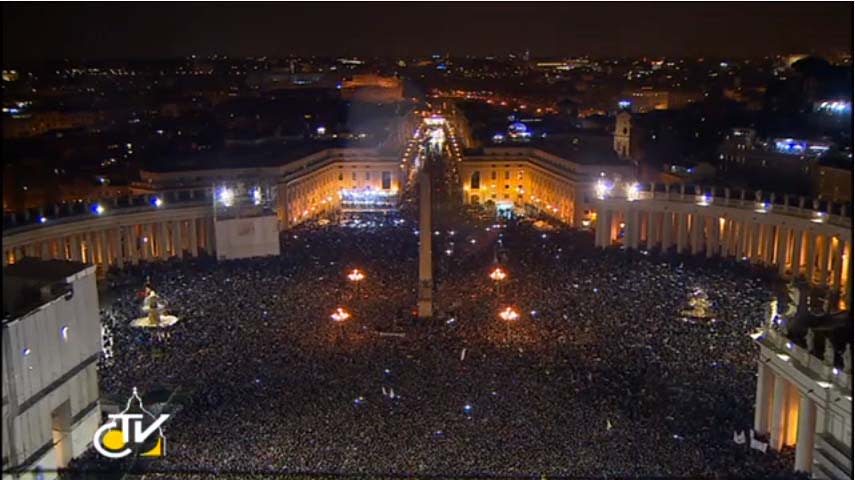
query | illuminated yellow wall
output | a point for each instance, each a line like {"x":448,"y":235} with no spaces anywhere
{"x":318,"y":192}
{"x":521,"y":182}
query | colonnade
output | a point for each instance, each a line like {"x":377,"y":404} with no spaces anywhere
{"x":114,"y":243}
{"x":796,"y":246}
{"x":787,"y":415}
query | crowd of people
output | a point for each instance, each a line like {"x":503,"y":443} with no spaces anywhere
{"x":601,"y":375}
{"x":611,"y":368}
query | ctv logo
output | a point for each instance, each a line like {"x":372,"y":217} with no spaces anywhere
{"x":132,"y":430}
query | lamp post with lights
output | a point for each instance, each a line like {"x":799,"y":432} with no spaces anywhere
{"x":498,"y":275}
{"x":356,"y":277}
{"x":508,"y":315}
{"x":339,"y":316}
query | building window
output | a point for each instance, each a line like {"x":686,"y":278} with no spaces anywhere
{"x":367,"y":175}
{"x":475,"y":181}
{"x":493,"y":175}
{"x":387,"y":180}
{"x":353,"y":175}
{"x":507,"y":175}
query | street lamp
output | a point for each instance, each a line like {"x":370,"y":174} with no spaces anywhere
{"x":497,"y":276}
{"x":356,"y":277}
{"x":339,"y":316}
{"x":509,"y":315}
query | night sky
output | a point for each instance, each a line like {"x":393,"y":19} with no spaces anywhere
{"x":116,"y":30}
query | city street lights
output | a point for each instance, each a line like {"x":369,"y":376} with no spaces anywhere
{"x":339,"y":316}
{"x":509,"y":315}
{"x":497,"y":276}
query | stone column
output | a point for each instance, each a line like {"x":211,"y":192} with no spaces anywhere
{"x":103,"y":254}
{"x":633,"y":228}
{"x":162,"y":247}
{"x":798,"y":237}
{"x":44,"y":250}
{"x":779,"y":412}
{"x":810,"y":239}
{"x":714,"y":236}
{"x":757,"y":239}
{"x":805,"y":435}
{"x":146,"y":242}
{"x":211,"y":243}
{"x":425,"y":252}
{"x":781,"y":254}
{"x":765,"y":384}
{"x":652,"y":230}
{"x":837,"y":265}
{"x":770,"y":244}
{"x":177,"y":247}
{"x":847,"y":292}
{"x":743,"y":236}
{"x":824,"y":243}
{"x":116,"y":241}
{"x":697,"y":232}
{"x":194,"y":239}
{"x":76,"y":253}
{"x":133,"y":244}
{"x":667,"y":227}
{"x":682,"y":231}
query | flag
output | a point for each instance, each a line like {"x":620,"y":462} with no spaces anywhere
{"x":385,"y":393}
{"x":608,"y":424}
{"x":462,"y":354}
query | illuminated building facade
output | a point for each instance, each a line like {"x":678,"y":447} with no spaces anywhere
{"x":783,"y":233}
{"x":530,"y":179}
{"x":804,"y":400}
{"x":51,"y":345}
{"x":173,"y":212}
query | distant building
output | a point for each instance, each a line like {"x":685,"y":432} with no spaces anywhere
{"x":647,"y":99}
{"x":623,"y":135}
{"x":51,"y":344}
{"x":759,"y":160}
{"x":373,"y":88}
{"x":833,"y":181}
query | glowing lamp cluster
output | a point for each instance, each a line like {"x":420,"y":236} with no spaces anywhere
{"x":498,"y":275}
{"x":339,"y":315}
{"x":704,"y":200}
{"x":226,"y":196}
{"x":509,"y":314}
{"x":355,"y":275}
{"x":633,"y":191}
{"x":762,"y":207}
{"x":603,"y":189}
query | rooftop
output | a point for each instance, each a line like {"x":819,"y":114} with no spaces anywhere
{"x":32,"y":282}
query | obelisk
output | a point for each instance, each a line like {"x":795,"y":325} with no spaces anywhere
{"x":425,"y":261}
